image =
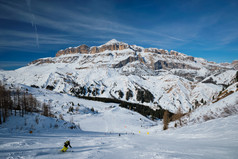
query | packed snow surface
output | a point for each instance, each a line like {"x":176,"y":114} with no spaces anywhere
{"x":210,"y":140}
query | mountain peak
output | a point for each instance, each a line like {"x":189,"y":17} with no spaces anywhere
{"x":113,"y":41}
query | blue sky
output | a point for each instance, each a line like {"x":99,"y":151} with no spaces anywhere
{"x":32,"y":29}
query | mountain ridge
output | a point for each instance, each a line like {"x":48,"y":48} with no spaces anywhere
{"x":113,"y":45}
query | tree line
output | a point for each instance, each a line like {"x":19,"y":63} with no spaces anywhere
{"x":19,"y":102}
{"x":142,"y":109}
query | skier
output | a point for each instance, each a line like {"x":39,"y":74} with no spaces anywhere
{"x":66,"y":144}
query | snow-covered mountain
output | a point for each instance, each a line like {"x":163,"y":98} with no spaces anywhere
{"x":154,"y":77}
{"x":117,"y":70}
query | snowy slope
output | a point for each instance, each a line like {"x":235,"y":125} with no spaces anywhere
{"x":36,"y":123}
{"x":207,"y":140}
{"x":223,"y":105}
{"x":107,"y":117}
{"x":115,"y":132}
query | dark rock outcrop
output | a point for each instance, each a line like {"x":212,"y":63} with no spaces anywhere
{"x":41,"y":61}
{"x":166,"y":65}
{"x":126,"y":61}
{"x":190,"y":58}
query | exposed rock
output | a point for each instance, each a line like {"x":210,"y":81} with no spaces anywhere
{"x":214,"y":68}
{"x":70,"y":50}
{"x":225,"y":64}
{"x":70,"y":59}
{"x":163,"y":51}
{"x":175,"y":53}
{"x":165,"y":65}
{"x":113,"y":47}
{"x":235,"y":64}
{"x":159,"y":51}
{"x":189,"y":76}
{"x":94,"y":50}
{"x":84,"y":49}
{"x":59,"y":53}
{"x":41,"y":61}
{"x":124,"y":62}
{"x":190,"y":58}
{"x":122,"y":47}
{"x":136,"y":48}
{"x":209,"y":80}
{"x":152,"y":50}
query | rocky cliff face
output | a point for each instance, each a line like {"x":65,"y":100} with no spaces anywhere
{"x":83,"y":49}
{"x":153,"y":58}
{"x":155,"y":50}
{"x":112,"y":45}
{"x":235,"y":64}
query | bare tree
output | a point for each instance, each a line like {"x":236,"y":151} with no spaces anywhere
{"x":31,"y":103}
{"x":18,"y":100}
{"x":14,"y":101}
{"x":166,"y":120}
{"x":46,"y":110}
{"x":178,"y":116}
{"x":5,"y":103}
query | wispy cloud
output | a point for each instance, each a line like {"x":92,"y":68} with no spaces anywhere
{"x":12,"y":64}
{"x":75,"y":23}
{"x":33,"y":21}
{"x":60,"y":23}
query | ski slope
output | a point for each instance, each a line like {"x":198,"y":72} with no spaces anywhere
{"x":211,"y":140}
{"x":113,"y":132}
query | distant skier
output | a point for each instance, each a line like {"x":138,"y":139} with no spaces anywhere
{"x":66,"y":144}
